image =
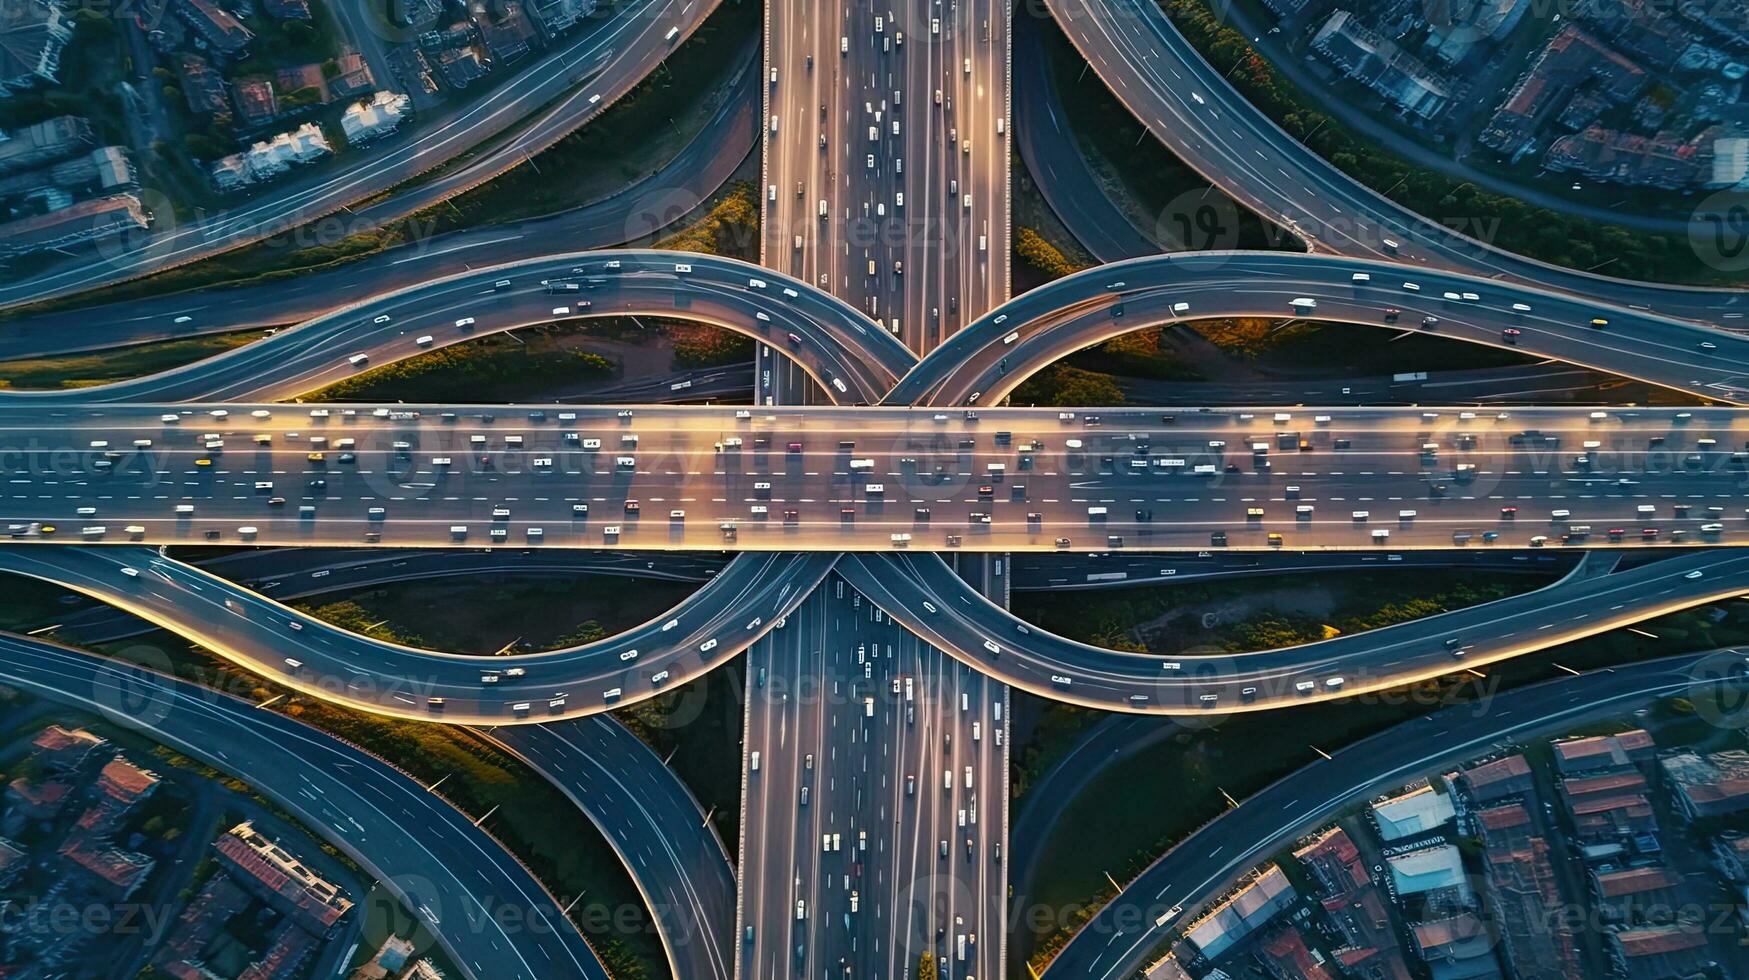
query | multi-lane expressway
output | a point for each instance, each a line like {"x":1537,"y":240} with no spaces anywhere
{"x":1191,"y":107}
{"x":488,"y":912}
{"x":1119,"y":940}
{"x":874,"y":800}
{"x":886,"y":162}
{"x":569,"y":84}
{"x":832,"y":479}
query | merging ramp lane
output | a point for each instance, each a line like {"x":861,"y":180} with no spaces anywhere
{"x":990,"y":358}
{"x":929,"y":599}
{"x":726,"y":615}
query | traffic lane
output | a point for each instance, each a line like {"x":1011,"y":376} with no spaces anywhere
{"x":924,"y":595}
{"x":1658,"y":476}
{"x":696,"y":172}
{"x":1108,"y":570}
{"x":293,"y":573}
{"x":323,"y":661}
{"x":490,"y":915}
{"x":1117,"y":941}
{"x":1080,"y":310}
{"x":855,"y":359}
{"x":1378,"y":499}
{"x":1199,"y":114}
{"x":554,"y":86}
{"x":655,"y":825}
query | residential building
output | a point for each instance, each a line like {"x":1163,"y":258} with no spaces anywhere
{"x":13,"y":862}
{"x":204,"y":88}
{"x":1731,"y":856}
{"x":32,"y":35}
{"x":62,"y":750}
{"x":1457,"y":29}
{"x":1644,"y":894}
{"x":1497,"y":780}
{"x":216,"y":26}
{"x":125,"y":783}
{"x":270,"y":158}
{"x":1730,"y":164}
{"x":28,"y":800}
{"x":376,"y":116}
{"x":1379,"y":64}
{"x":1458,"y":947}
{"x":285,"y":882}
{"x":1414,"y":812}
{"x":113,"y":873}
{"x":355,"y":78}
{"x":284,"y":957}
{"x":257,"y":103}
{"x":1659,"y":952}
{"x":1505,"y":826}
{"x":29,"y":147}
{"x":1663,"y":161}
{"x":1434,"y":873}
{"x":1166,"y":968}
{"x":1602,"y":817}
{"x":510,"y":36}
{"x":559,"y":16}
{"x":1716,"y":784}
{"x":1285,"y":955}
{"x":1244,"y":911}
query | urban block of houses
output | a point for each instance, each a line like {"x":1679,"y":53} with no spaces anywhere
{"x":1630,"y":894}
{"x":1378,"y":63}
{"x":1573,"y":58}
{"x":1521,"y":890}
{"x":1355,"y":906}
{"x":1658,"y":952}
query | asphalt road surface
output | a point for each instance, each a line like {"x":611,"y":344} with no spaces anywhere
{"x":905,"y":801}
{"x":487,"y":911}
{"x":830,"y":479}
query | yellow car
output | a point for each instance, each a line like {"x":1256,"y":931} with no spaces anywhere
{"x":47,"y":529}
{"x":203,"y":461}
{"x":317,"y":457}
